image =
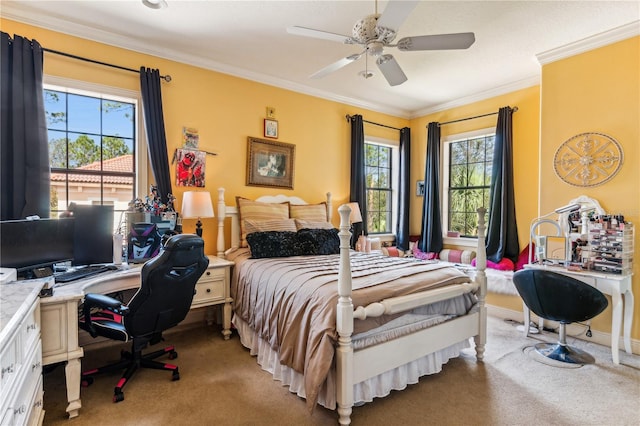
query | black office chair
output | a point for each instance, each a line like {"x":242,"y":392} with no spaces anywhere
{"x":163,"y":301}
{"x":561,"y":298}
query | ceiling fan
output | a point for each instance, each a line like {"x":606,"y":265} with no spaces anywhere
{"x":378,"y":31}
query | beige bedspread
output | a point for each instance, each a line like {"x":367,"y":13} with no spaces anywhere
{"x":291,"y":302}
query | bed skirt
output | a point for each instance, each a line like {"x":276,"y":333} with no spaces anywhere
{"x":363,"y":392}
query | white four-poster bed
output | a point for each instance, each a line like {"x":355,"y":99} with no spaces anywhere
{"x":361,"y":366}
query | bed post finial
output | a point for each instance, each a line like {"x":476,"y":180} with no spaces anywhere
{"x":221,"y":215}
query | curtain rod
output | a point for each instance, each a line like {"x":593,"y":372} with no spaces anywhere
{"x":166,"y":78}
{"x":376,"y":124}
{"x":476,"y":116}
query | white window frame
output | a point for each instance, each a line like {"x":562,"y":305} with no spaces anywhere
{"x":444,"y":166}
{"x":125,"y":95}
{"x":395,"y":182}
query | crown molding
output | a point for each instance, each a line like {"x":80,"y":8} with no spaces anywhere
{"x":481,"y":96}
{"x":620,"y":33}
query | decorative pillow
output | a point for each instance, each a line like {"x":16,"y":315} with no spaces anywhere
{"x":323,"y":241}
{"x":457,"y":256}
{"x":273,"y":244}
{"x":255,"y":210}
{"x":392,"y":251}
{"x":523,"y":258}
{"x":269,"y":225}
{"x":311,"y":212}
{"x":504,"y":265}
{"x":301,"y":224}
{"x":286,"y":243}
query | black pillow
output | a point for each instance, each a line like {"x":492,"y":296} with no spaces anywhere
{"x":324,"y":241}
{"x":272,"y":244}
{"x":305,"y":242}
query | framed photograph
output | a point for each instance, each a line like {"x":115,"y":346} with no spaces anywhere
{"x":420,"y":188}
{"x":270,"y":163}
{"x":270,"y":128}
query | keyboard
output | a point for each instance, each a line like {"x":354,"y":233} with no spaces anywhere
{"x":83,"y":272}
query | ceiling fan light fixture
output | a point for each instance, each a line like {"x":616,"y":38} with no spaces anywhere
{"x":375,"y":48}
{"x":155,"y":4}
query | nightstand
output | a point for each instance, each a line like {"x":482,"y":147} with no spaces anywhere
{"x":213,"y":288}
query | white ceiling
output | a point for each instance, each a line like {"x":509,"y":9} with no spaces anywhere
{"x":249,"y":39}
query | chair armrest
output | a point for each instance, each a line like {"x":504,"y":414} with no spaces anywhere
{"x":101,"y":301}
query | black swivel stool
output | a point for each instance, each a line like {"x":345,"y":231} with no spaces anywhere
{"x":560,"y":298}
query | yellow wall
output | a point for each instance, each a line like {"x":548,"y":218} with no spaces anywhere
{"x":594,"y":91}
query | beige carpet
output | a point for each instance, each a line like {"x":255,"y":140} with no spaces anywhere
{"x":221,"y":384}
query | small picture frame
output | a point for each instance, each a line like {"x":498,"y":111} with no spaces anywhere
{"x":270,"y":128}
{"x":556,"y":249}
{"x":420,"y":188}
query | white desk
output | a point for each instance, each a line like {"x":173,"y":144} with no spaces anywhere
{"x":59,"y":314}
{"x":622,"y":301}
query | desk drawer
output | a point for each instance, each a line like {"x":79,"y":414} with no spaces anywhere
{"x":10,"y":360}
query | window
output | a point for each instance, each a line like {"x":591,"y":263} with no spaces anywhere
{"x":381,"y":184}
{"x":94,"y":141}
{"x":467,"y":179}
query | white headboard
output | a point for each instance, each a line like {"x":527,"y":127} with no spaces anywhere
{"x":225,"y":211}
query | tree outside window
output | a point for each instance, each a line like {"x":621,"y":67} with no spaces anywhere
{"x":378,"y":174}
{"x":470,"y":165}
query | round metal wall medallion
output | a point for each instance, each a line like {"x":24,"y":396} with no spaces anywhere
{"x":588,"y":159}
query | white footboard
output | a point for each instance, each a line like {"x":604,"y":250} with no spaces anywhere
{"x":354,"y":367}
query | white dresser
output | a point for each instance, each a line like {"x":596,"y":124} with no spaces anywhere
{"x":21,"y":392}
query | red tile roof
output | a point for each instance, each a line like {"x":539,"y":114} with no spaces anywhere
{"x":123,"y":163}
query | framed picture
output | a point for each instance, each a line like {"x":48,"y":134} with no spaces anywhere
{"x":270,"y":163}
{"x":270,"y":128}
{"x":556,"y":249}
{"x":420,"y":188}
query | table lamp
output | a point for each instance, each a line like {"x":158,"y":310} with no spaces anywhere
{"x":197,"y":204}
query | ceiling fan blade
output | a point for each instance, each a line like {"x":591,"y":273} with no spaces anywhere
{"x":324,"y":35}
{"x":336,"y":66}
{"x":437,"y":42}
{"x":396,"y":13}
{"x":391,"y":70}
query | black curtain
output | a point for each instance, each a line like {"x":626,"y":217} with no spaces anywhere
{"x":154,"y":125}
{"x":502,"y":233}
{"x":402,"y":231}
{"x":358,"y":184}
{"x":431,"y":230}
{"x":24,"y":149}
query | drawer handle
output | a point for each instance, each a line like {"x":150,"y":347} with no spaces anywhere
{"x":208,"y":290}
{"x":20,"y":410}
{"x":34,"y":366}
{"x":38,"y":403}
{"x":208,"y":273}
{"x":31,"y":327}
{"x":8,"y":369}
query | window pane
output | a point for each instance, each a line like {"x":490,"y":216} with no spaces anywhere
{"x":458,"y":176}
{"x":83,"y":150}
{"x":384,"y":157}
{"x":55,"y":106}
{"x":458,"y":152}
{"x":84,"y":114}
{"x":476,"y":174}
{"x":57,"y":149}
{"x":117,"y":119}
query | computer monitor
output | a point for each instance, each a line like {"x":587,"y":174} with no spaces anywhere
{"x":27,"y":245}
{"x":93,"y":236}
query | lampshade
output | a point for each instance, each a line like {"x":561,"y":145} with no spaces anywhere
{"x":197,"y":204}
{"x":355,"y":216}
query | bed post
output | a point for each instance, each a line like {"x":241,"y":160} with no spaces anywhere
{"x":344,"y":323}
{"x":221,"y":215}
{"x":481,"y":278}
